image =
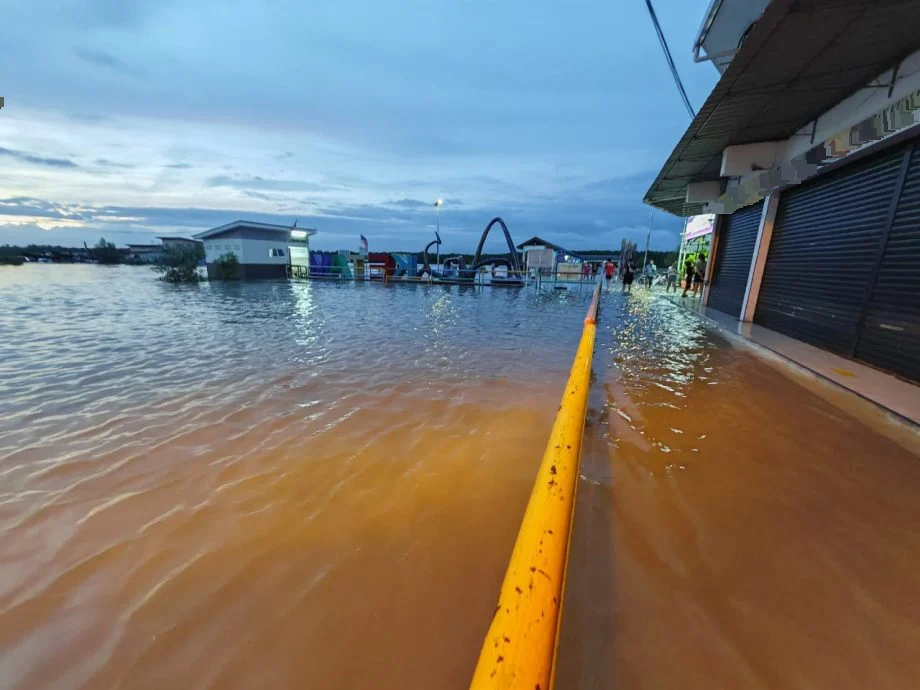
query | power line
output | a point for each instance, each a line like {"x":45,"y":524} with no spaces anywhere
{"x":667,"y":55}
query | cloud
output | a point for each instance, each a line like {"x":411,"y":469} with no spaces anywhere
{"x":410,"y":203}
{"x":256,"y":182}
{"x":100,"y":58}
{"x":402,"y":108}
{"x":106,"y":163}
{"x":88,"y":117}
{"x":38,"y":160}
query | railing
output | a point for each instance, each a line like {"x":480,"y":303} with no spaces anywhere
{"x":519,"y":651}
{"x":484,"y":278}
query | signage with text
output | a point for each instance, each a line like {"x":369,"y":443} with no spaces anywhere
{"x":697,"y":226}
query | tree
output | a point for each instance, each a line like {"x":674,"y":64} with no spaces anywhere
{"x":180,"y":264}
{"x":227,"y":267}
{"x":105,"y":252}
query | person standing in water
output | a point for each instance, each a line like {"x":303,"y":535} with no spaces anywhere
{"x":699,"y":271}
{"x":629,"y":272}
{"x":651,"y":270}
{"x":688,"y":275}
{"x":672,"y":278}
{"x":608,"y":272}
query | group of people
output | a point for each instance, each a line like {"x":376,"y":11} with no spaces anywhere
{"x":694,"y":270}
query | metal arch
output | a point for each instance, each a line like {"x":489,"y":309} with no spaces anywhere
{"x":427,"y":265}
{"x":477,"y":259}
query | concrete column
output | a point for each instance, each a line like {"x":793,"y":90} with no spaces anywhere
{"x":761,"y":249}
{"x":711,"y":259}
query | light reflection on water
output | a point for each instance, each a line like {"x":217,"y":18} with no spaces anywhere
{"x":318,"y":485}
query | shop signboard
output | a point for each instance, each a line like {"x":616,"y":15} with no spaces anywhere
{"x":698,"y":226}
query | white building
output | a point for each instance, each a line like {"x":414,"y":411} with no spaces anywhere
{"x":540,"y":254}
{"x":262,"y":249}
{"x":808,"y":152}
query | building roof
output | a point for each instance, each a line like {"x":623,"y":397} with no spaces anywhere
{"x":145,"y":247}
{"x":214,"y":232}
{"x":536,"y":241}
{"x":177,"y":238}
{"x":801,"y":58}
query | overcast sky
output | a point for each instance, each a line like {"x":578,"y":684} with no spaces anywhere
{"x":138,"y":118}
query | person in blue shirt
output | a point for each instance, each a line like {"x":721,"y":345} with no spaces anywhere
{"x":651,"y":270}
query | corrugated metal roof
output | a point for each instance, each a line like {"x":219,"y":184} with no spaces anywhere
{"x":800,"y":59}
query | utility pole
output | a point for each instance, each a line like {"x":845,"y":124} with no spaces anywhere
{"x":683,"y":246}
{"x":648,"y":238}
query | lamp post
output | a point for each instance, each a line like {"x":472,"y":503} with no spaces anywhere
{"x":438,"y":204}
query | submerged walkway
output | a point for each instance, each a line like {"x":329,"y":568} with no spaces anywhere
{"x":734,"y":527}
{"x":884,"y":390}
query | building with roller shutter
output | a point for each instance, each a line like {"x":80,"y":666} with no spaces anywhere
{"x":808,"y":152}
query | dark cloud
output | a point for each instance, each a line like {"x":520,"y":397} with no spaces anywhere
{"x":178,"y":166}
{"x":410,"y":203}
{"x":284,"y":156}
{"x":100,"y":58}
{"x":106,"y":163}
{"x":28,"y":206}
{"x":597,"y":215}
{"x":38,"y":160}
{"x":598,"y":227}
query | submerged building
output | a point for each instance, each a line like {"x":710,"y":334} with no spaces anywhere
{"x":263,"y":250}
{"x":808,"y":152}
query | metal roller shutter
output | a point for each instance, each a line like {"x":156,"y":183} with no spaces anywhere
{"x":734,"y":251}
{"x":890,"y":336}
{"x":825,"y":241}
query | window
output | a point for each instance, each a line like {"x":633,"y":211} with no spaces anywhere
{"x":276,"y":252}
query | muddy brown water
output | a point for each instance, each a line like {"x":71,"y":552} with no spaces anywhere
{"x":318,"y":486}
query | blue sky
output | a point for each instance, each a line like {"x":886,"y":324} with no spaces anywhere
{"x":136,"y":119}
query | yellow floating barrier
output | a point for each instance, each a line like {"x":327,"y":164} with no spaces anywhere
{"x":519,"y":651}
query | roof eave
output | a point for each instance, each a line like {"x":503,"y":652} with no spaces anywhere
{"x":732,"y":114}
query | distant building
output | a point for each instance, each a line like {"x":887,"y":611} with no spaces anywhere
{"x":538,"y":253}
{"x":179,"y":242}
{"x":262,"y":249}
{"x":145,"y":253}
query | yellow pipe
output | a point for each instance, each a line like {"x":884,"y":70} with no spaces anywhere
{"x":519,"y":651}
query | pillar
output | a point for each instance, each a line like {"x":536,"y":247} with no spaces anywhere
{"x":759,"y":260}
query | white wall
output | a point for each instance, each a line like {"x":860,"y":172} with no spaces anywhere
{"x":257,"y":251}
{"x":213,"y":249}
{"x":862,"y":104}
{"x":852,"y":110}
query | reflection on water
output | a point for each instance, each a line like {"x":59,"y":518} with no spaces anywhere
{"x":256,"y":485}
{"x":318,"y":485}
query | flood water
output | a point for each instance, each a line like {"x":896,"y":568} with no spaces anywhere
{"x":316,"y":485}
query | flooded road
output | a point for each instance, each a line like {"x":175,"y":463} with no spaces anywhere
{"x":734,"y":530}
{"x":318,"y":485}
